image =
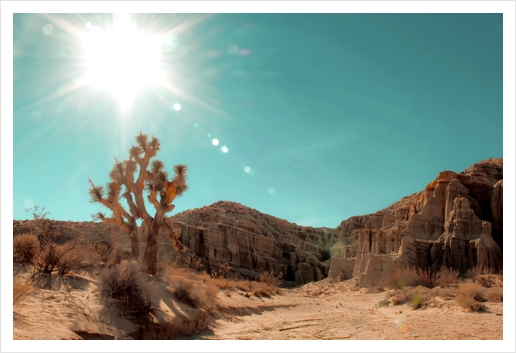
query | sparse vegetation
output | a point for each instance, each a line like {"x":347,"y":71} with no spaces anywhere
{"x":26,"y":247}
{"x":271,"y":279}
{"x":221,"y":272}
{"x":197,"y":294}
{"x":191,"y":261}
{"x":124,"y":282}
{"x":402,"y":277}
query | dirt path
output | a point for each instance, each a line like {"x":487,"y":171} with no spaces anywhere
{"x":333,"y":312}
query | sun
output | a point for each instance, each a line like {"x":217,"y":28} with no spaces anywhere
{"x":122,"y":60}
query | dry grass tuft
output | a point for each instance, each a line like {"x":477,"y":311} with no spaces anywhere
{"x":193,"y":289}
{"x":494,"y":294}
{"x":401,"y":278}
{"x":125,"y":283}
{"x":407,"y":277}
{"x":271,"y":279}
{"x":191,"y":261}
{"x":26,"y":247}
{"x":471,"y":296}
{"x":419,"y":296}
{"x":61,"y":258}
{"x":443,"y":293}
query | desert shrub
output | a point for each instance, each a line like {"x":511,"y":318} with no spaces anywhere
{"x":26,"y":247}
{"x":443,"y":293}
{"x":50,"y":255}
{"x":20,"y":289}
{"x":262,"y":289}
{"x":470,"y":296}
{"x":191,"y":261}
{"x":194,"y":293}
{"x":224,"y":283}
{"x":494,"y":294}
{"x":71,"y":260}
{"x":418,"y":296}
{"x":101,"y":250}
{"x":124,"y":282}
{"x":401,"y":278}
{"x":446,"y":277}
{"x":271,"y":279}
{"x":427,"y":278}
{"x":182,"y":290}
{"x":221,"y":272}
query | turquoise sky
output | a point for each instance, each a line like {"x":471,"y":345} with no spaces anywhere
{"x":324,"y":116}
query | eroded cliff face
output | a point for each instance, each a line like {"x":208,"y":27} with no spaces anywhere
{"x":253,"y":242}
{"x":457,"y":221}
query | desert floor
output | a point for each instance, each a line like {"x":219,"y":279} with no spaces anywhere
{"x":322,"y":310}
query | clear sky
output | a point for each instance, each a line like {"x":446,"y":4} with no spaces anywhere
{"x":318,"y":117}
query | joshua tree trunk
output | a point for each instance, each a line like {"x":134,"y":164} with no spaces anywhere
{"x":151,"y":251}
{"x":135,"y":244}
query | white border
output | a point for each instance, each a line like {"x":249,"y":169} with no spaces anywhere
{"x":505,"y":7}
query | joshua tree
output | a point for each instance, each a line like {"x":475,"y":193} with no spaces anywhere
{"x":161,"y":193}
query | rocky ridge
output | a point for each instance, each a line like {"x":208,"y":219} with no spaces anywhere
{"x":456,"y":221}
{"x":253,"y":242}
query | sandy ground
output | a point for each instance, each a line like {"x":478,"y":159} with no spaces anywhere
{"x":316,"y":311}
{"x":339,"y":313}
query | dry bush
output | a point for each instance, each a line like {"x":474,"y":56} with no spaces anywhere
{"x":494,"y":294}
{"x":271,"y":279}
{"x":244,"y":286}
{"x":62,"y":258}
{"x":102,"y":251}
{"x":197,"y":294}
{"x":419,"y":296}
{"x":443,"y":293}
{"x":427,"y":278}
{"x":20,"y":289}
{"x":224,"y":283}
{"x":26,"y":247}
{"x":446,"y":277}
{"x":488,"y":280}
{"x":471,"y":296}
{"x":221,"y":272}
{"x":191,"y":261}
{"x":401,"y":278}
{"x":262,"y":289}
{"x":125,"y":282}
{"x":48,"y":259}
{"x":400,"y":296}
{"x":73,"y":260}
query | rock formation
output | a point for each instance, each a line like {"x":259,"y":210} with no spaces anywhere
{"x":457,"y":222}
{"x":253,"y":242}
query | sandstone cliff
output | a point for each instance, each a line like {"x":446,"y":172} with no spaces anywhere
{"x":252,"y":242}
{"x":457,"y":222}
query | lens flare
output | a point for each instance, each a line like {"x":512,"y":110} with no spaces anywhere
{"x":122,"y":60}
{"x":215,"y":142}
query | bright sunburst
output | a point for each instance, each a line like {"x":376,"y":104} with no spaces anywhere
{"x":122,"y":60}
